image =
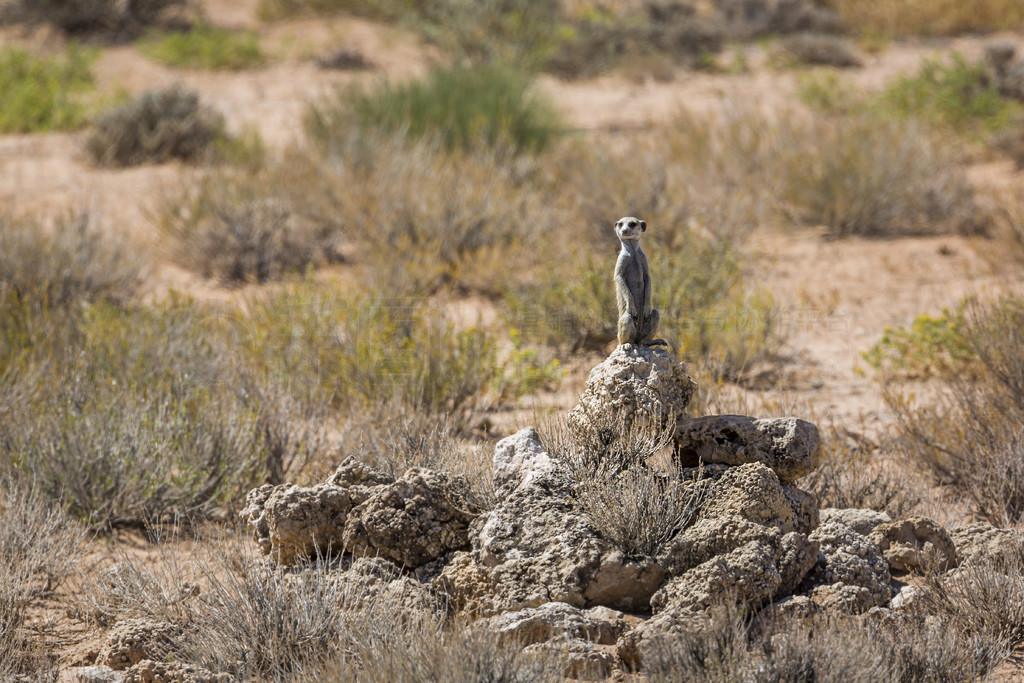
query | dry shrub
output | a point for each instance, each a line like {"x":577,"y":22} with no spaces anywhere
{"x":927,"y":17}
{"x":617,"y":485}
{"x":984,"y":599}
{"x":257,"y":224}
{"x":836,"y":649}
{"x":71,"y":261}
{"x":158,"y":126}
{"x":969,"y":434}
{"x":81,"y":16}
{"x":818,"y":49}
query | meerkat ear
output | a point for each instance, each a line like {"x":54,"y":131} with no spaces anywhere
{"x":643,"y":226}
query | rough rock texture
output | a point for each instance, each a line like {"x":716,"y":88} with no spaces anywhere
{"x":634,"y":381}
{"x":792,"y":607}
{"x":748,"y":573}
{"x":788,"y":445}
{"x":914,"y":544}
{"x":979,"y":542}
{"x":558,"y":620}
{"x":132,"y":640}
{"x":412,"y":521}
{"x":861,"y":520}
{"x":374,"y":578}
{"x":585,"y":661}
{"x":149,"y":671}
{"x":797,"y":556}
{"x":805,"y":508}
{"x":535,"y":547}
{"x":291,"y":523}
{"x":92,"y":674}
{"x":852,"y":561}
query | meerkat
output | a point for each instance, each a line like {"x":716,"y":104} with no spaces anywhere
{"x":638,"y":321}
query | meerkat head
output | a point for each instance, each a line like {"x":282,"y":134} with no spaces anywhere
{"x":629,"y":228}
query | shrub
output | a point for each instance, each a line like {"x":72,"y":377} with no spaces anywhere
{"x":955,"y":94}
{"x":927,"y":17}
{"x":933,"y":345}
{"x":44,"y":93}
{"x":158,"y":126}
{"x":205,"y":47}
{"x":77,"y":16}
{"x":388,"y":10}
{"x":864,"y":175}
{"x":819,"y":49}
{"x":466,"y":107}
{"x":969,"y":434}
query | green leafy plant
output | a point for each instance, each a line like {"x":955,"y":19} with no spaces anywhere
{"x":205,"y":47}
{"x":44,"y":93}
{"x":932,"y":345}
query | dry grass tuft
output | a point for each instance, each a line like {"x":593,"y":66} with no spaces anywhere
{"x":927,"y":17}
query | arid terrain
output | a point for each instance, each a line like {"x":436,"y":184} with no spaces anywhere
{"x":832,"y":296}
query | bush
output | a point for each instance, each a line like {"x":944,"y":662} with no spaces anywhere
{"x":955,"y":94}
{"x":158,"y":126}
{"x":205,"y":47}
{"x":257,"y":223}
{"x":388,"y":10}
{"x":819,"y":49}
{"x":928,"y":17}
{"x":465,"y":107}
{"x":969,"y":434}
{"x":44,"y":93}
{"x":78,"y":16}
{"x":933,"y":345}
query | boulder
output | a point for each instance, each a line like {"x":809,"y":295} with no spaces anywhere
{"x":133,"y":640}
{"x":980,"y":542}
{"x":585,"y":661}
{"x":798,"y":554}
{"x":850,"y":570}
{"x":536,"y":547}
{"x":91,"y":674}
{"x":558,"y":621}
{"x":412,"y":521}
{"x":746,"y":574}
{"x":788,"y":445}
{"x":291,"y":523}
{"x":861,"y":520}
{"x":635,"y":382}
{"x":914,"y":544}
{"x":373,"y":578}
{"x":150,"y":671}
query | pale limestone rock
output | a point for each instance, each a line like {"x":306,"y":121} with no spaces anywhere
{"x":914,"y":544}
{"x":861,"y":520}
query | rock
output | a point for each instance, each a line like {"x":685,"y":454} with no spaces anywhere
{"x":558,"y":620}
{"x":980,"y":542}
{"x":469,"y":587}
{"x":789,"y":608}
{"x":412,"y":521}
{"x":536,"y":547}
{"x":847,"y":562}
{"x":634,"y":382}
{"x":805,"y":508}
{"x":132,"y":640}
{"x":91,"y":674}
{"x":149,"y":671}
{"x":291,"y":523}
{"x":914,"y":544}
{"x":906,"y":597}
{"x":585,"y":661}
{"x":711,"y":537}
{"x":861,"y":520}
{"x":373,"y":577}
{"x":747,"y":574}
{"x":752,"y":492}
{"x":797,"y":556}
{"x":789,"y":446}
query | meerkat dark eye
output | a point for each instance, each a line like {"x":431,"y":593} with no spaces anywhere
{"x":632,"y":224}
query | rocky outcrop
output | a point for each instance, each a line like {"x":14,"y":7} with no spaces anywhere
{"x":850,"y":573}
{"x":133,"y":640}
{"x":634,"y":383}
{"x":150,"y":671}
{"x":981,"y":542}
{"x":863,"y":521}
{"x":788,"y":445}
{"x":412,"y":520}
{"x":536,"y":547}
{"x":914,"y":544}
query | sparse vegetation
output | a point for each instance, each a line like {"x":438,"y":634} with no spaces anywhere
{"x":158,"y":126}
{"x":819,"y":49}
{"x":39,"y":93}
{"x":205,"y":47}
{"x":464,"y":107}
{"x":927,"y":17}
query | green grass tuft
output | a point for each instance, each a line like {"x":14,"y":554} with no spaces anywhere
{"x":205,"y":47}
{"x":44,"y":93}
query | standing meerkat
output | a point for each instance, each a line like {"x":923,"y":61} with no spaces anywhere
{"x":638,"y":321}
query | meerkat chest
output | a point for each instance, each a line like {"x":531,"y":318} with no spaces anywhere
{"x":631,"y":265}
